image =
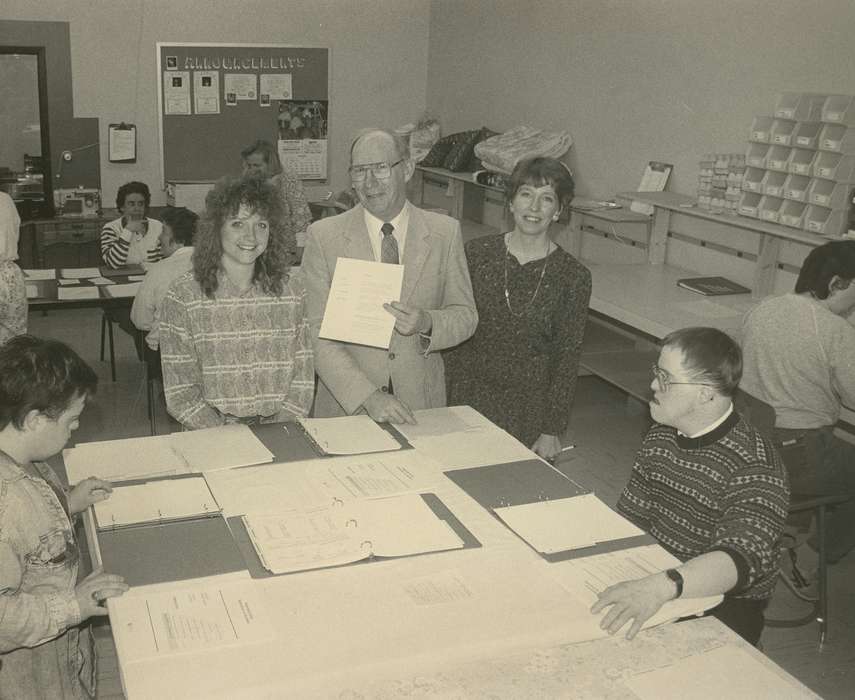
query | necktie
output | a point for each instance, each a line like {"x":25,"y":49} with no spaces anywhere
{"x":388,"y":246}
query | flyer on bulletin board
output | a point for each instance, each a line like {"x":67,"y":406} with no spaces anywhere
{"x":176,"y":92}
{"x":303,"y":137}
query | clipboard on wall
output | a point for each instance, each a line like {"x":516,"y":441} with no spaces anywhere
{"x":122,"y":143}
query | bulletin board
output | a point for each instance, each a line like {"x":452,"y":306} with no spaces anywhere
{"x":215,"y":99}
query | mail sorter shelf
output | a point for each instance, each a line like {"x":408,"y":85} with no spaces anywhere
{"x":796,"y":187}
{"x":837,"y":138}
{"x":803,"y":106}
{"x":839,"y":109}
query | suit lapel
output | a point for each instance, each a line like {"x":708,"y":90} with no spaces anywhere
{"x":357,"y":244}
{"x":415,"y":252}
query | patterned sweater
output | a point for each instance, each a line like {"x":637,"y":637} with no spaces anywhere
{"x":724,"y":491}
{"x":238,"y":354}
{"x":122,"y":247}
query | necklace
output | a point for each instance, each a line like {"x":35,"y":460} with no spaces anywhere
{"x":536,"y":289}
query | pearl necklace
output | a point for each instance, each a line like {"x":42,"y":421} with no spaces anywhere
{"x":536,"y":289}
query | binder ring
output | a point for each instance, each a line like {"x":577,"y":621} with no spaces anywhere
{"x":351,"y":521}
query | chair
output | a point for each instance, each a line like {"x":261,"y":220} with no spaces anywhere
{"x":153,"y":374}
{"x":762,"y":416}
{"x":107,"y":326}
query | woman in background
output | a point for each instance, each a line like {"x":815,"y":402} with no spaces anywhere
{"x":45,"y":651}
{"x":799,"y":357}
{"x":133,"y":238}
{"x":520,"y":368}
{"x":234,"y":336}
{"x":261,"y":159}
{"x":13,"y":292}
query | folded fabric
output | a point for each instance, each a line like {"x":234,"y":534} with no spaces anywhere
{"x":501,"y":153}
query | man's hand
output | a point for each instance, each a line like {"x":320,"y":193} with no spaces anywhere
{"x":135,"y":225}
{"x":408,"y":319}
{"x":87,"y":492}
{"x":633,"y":600}
{"x":547,"y":446}
{"x":385,"y":408}
{"x":94,"y":589}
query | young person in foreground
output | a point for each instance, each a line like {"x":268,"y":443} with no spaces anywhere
{"x":44,"y":650}
{"x":708,"y":487}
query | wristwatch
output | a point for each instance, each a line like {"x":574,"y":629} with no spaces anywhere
{"x":677,"y":578}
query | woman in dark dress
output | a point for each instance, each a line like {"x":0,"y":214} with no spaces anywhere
{"x":519,"y":369}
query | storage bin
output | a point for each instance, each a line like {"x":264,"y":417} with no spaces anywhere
{"x":793,"y":214}
{"x":834,"y":166}
{"x":803,"y":106}
{"x":837,"y":138}
{"x":756,"y":156}
{"x":827,"y":193}
{"x":801,"y":161}
{"x":752,"y":182}
{"x":770,"y":208}
{"x":773,"y":183}
{"x":749,"y":204}
{"x":795,"y":187}
{"x":782,"y":132}
{"x":761,"y":129}
{"x":825,"y":221}
{"x":778,"y":158}
{"x":839,"y":109}
{"x":807,"y":135}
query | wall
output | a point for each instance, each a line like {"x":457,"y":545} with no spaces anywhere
{"x":633,"y":80}
{"x":378,"y":77}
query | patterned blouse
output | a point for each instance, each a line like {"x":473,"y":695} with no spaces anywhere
{"x":298,"y":215}
{"x":13,"y":301}
{"x":238,"y":355}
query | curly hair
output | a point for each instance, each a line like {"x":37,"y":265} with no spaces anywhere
{"x":224,"y":201}
{"x":133,"y":187}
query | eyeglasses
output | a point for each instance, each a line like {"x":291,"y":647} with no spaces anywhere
{"x":665,"y":382}
{"x":381,"y":171}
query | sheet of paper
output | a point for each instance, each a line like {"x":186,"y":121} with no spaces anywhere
{"x":724,"y":672}
{"x":586,"y":577}
{"x":76,"y":273}
{"x":471,"y":448}
{"x":64,"y":282}
{"x":206,"y":91}
{"x":123,"y":290}
{"x":101,"y":280}
{"x":176,"y":92}
{"x":40,"y":274}
{"x":348,"y":435}
{"x":354,"y":311}
{"x":120,"y":460}
{"x":165,"y":499}
{"x":567,"y":523}
{"x":32,"y":291}
{"x":122,"y":143}
{"x":136,"y":278}
{"x":374,"y":476}
{"x":438,"y":422}
{"x":190,"y":620}
{"x":403,"y":525}
{"x":66,"y":293}
{"x":224,"y":447}
{"x":266,"y":489}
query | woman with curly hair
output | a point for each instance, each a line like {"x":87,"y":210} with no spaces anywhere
{"x":234,"y":338}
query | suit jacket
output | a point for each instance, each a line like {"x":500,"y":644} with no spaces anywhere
{"x":436,"y":279}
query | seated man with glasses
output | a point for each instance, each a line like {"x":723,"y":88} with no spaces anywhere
{"x":708,"y":487}
{"x":436,"y":309}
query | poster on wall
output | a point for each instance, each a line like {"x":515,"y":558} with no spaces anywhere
{"x":277,"y":86}
{"x":176,"y":92}
{"x":303,"y":137}
{"x":244,"y":86}
{"x":206,"y":91}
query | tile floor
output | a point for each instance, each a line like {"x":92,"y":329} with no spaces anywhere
{"x":602,"y":458}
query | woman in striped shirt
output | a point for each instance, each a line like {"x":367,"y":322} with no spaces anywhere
{"x":133,"y":238}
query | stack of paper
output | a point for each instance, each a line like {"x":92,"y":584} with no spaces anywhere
{"x":340,"y":534}
{"x":348,"y":435}
{"x":161,"y":455}
{"x":156,"y":501}
{"x":123,"y":290}
{"x":567,"y":523}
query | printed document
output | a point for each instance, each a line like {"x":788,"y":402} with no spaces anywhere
{"x":76,"y":273}
{"x":168,"y":622}
{"x":586,"y":577}
{"x":348,"y":435}
{"x":354,"y":312}
{"x":68,"y":293}
{"x":341,"y":534}
{"x":567,"y":523}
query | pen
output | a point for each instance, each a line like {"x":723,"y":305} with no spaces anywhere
{"x":569,"y":447}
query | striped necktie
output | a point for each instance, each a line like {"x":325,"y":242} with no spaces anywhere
{"x":388,"y":246}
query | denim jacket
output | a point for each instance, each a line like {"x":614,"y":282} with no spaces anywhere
{"x":43,"y":654}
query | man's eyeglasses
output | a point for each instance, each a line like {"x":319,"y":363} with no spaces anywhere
{"x":665,"y":382}
{"x":381,"y":171}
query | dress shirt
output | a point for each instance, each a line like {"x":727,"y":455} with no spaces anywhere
{"x":400,"y":222}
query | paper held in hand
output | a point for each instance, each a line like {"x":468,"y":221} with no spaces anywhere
{"x":354,"y":311}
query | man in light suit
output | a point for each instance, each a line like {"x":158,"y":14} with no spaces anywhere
{"x":436,"y":309}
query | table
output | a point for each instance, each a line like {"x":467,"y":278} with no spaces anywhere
{"x":47,"y":291}
{"x":474,"y":622}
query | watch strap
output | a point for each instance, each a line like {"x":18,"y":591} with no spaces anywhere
{"x":677,"y":578}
